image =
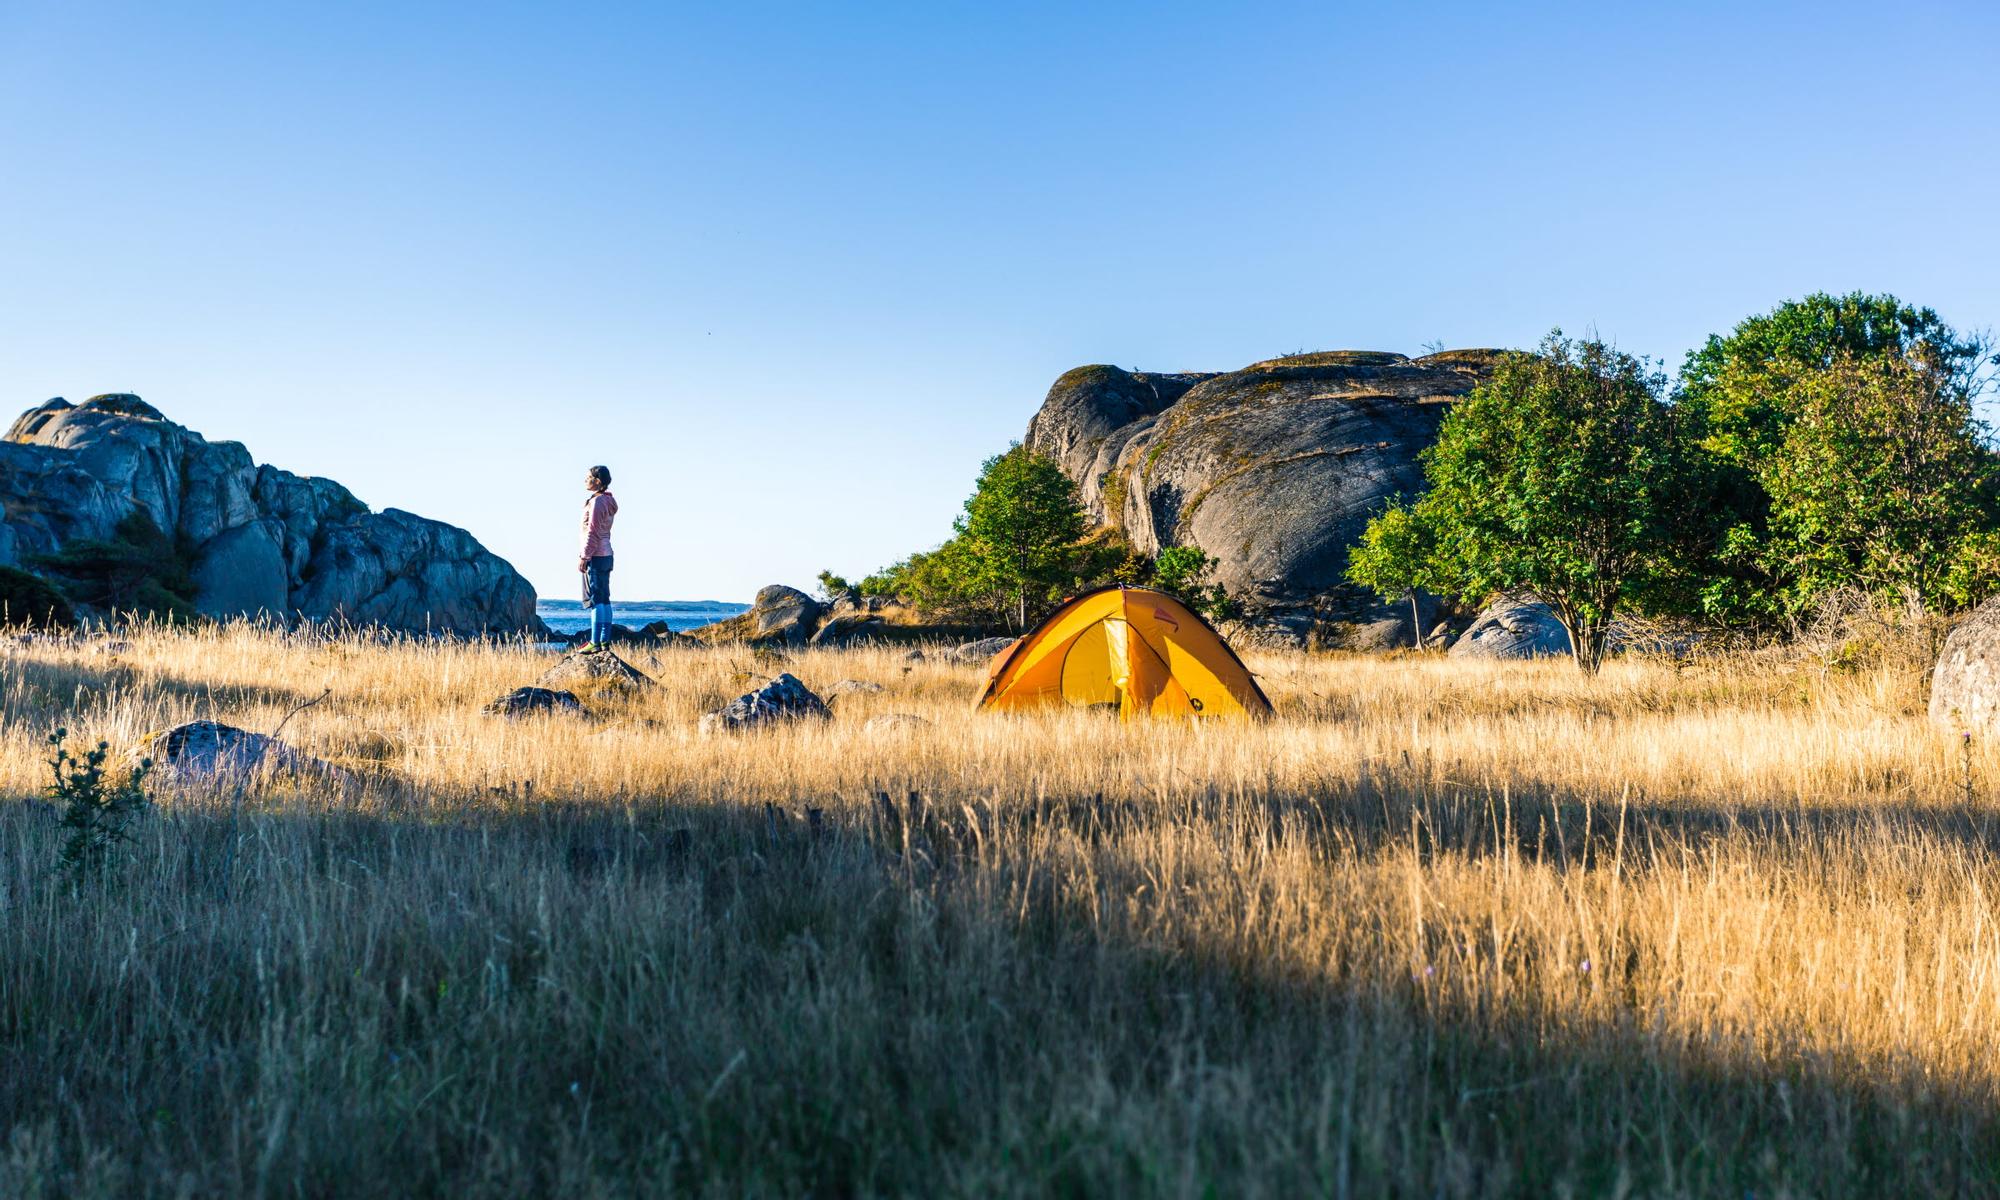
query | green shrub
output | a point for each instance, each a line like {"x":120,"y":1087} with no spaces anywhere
{"x":138,"y":569}
{"x":27,"y":599}
{"x":97,"y":813}
{"x":1184,"y":571}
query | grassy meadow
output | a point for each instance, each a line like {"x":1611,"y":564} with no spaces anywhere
{"x":1441,"y":929}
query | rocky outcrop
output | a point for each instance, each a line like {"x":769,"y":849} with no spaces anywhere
{"x":1965,"y":687}
{"x":262,"y":540}
{"x":1274,"y":469}
{"x":780,"y":617}
{"x":1514,"y":629}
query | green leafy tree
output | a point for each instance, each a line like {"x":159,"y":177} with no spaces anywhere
{"x":832,"y":587}
{"x":1739,"y":383}
{"x":1021,"y":530}
{"x":1865,"y":385}
{"x":1396,"y":556}
{"x":137,"y":570}
{"x":1882,"y":481}
{"x":1562,"y":476}
{"x":1186,"y":571}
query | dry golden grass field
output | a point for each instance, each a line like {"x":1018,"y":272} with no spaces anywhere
{"x":1441,"y":929}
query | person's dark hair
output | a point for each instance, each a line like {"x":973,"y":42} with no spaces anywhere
{"x":601,"y":476}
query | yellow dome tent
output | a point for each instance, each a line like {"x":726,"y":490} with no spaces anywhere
{"x":1135,"y":649}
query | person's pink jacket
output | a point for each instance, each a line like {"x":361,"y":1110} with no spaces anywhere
{"x":597,"y":513}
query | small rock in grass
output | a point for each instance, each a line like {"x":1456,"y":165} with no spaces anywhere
{"x":894,"y":723}
{"x":851,"y":687}
{"x":594,"y":671}
{"x":533,"y":701}
{"x":979,"y":653}
{"x":781,"y":700}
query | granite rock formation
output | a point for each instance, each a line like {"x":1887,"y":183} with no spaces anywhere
{"x":1274,"y":469}
{"x":261,"y":540}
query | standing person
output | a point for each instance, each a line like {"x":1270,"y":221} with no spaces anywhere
{"x":599,"y":507}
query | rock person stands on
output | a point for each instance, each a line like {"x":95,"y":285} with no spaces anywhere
{"x":595,"y":560}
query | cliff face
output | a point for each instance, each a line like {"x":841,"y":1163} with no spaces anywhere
{"x":263,"y":540}
{"x":1274,"y":469}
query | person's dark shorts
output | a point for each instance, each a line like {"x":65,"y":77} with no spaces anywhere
{"x":597,"y":581}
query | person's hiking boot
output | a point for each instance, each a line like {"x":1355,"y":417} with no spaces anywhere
{"x":590,"y":648}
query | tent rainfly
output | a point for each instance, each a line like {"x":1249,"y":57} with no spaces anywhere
{"x":1139,"y":651}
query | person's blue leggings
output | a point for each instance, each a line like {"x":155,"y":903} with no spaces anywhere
{"x":597,"y":598}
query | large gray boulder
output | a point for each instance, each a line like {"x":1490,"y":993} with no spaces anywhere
{"x":783,"y":614}
{"x":262,"y":540}
{"x":1513,"y":629}
{"x":780,"y":618}
{"x":210,"y":751}
{"x":1965,"y":687}
{"x":1274,"y":469}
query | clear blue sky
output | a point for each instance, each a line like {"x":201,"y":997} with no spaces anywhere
{"x":794,"y":270}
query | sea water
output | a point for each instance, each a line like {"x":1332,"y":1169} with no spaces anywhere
{"x":570,"y":616}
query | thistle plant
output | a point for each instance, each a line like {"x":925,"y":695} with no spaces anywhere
{"x":97,"y":812}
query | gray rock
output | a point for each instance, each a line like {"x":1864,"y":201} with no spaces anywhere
{"x":848,"y":632}
{"x":209,"y":751}
{"x":241,"y":572}
{"x":1965,"y":687}
{"x":535,"y":701}
{"x":1389,"y":626}
{"x":981,"y":652}
{"x":851,"y":687}
{"x":49,"y":501}
{"x":783,"y":614}
{"x":781,"y":700}
{"x":1513,"y":629}
{"x":1274,"y":469}
{"x":894,"y":723}
{"x":596,"y":672}
{"x":1272,"y":630}
{"x":264,"y":540}
{"x":781,"y":617}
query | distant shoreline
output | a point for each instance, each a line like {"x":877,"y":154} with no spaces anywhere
{"x":569,"y":616}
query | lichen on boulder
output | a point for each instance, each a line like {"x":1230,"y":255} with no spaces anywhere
{"x":1965,"y":686}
